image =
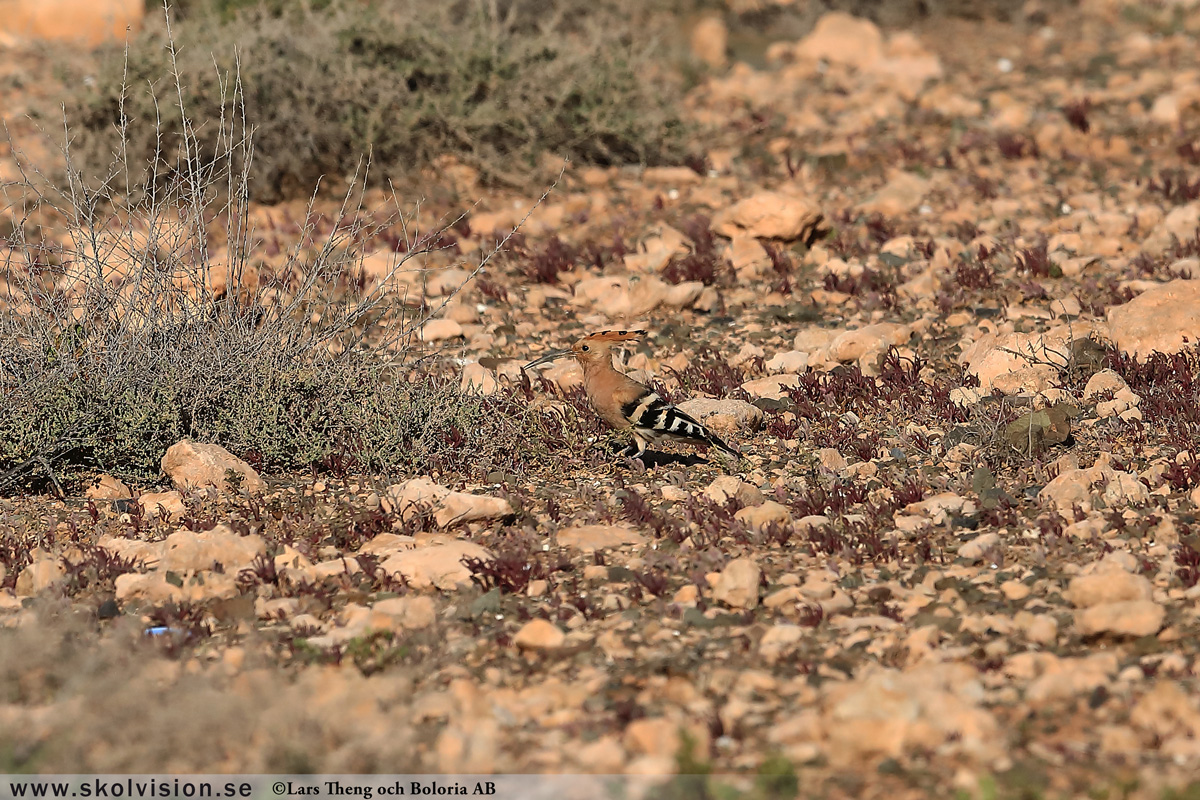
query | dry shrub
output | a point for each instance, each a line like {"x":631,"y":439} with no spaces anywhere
{"x":498,"y":85}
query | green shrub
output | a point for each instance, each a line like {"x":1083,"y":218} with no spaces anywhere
{"x":497,"y":85}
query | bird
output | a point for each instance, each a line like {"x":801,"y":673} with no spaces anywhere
{"x":625,"y":404}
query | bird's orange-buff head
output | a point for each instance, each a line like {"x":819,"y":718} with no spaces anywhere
{"x":595,"y":349}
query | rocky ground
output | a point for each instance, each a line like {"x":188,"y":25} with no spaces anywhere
{"x":942,"y":288}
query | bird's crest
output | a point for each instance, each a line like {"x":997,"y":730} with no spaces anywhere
{"x":614,"y":336}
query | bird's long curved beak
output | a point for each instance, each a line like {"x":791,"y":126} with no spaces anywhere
{"x":553,"y":355}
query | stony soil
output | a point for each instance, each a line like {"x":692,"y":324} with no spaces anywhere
{"x":944,"y":284}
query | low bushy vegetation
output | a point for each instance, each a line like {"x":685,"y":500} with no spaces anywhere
{"x":110,"y":360}
{"x":498,"y":86}
{"x":159,"y":316}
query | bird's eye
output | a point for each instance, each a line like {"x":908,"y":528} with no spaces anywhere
{"x":586,"y":348}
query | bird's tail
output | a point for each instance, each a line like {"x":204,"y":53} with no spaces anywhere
{"x":715,"y":441}
{"x":675,"y":422}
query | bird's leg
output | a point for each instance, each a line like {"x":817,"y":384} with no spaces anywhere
{"x":642,"y":444}
{"x":636,"y":449}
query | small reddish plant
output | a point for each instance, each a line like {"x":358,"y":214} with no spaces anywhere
{"x":1187,"y":565}
{"x":548,"y":261}
{"x":1174,"y":185}
{"x":1015,"y":146}
{"x":705,"y":263}
{"x":1077,"y":114}
{"x":1035,"y":261}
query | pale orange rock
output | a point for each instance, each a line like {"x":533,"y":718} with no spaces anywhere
{"x":435,"y":566}
{"x":472,"y":748}
{"x":855,"y":345}
{"x":902,"y":194}
{"x":774,"y":386}
{"x":604,"y":756}
{"x":1019,"y":363}
{"x":907,"y":67}
{"x":106,"y":487}
{"x":164,"y":586}
{"x":404,"y":612}
{"x":591,"y":291}
{"x":727,"y":487}
{"x":1103,"y":381}
{"x":671,"y":176}
{"x":710,"y":40}
{"x":195,"y":465}
{"x":737,"y":585}
{"x":623,"y":296}
{"x":478,"y":379}
{"x":937,"y":507}
{"x":1039,"y":628}
{"x":144,"y":555}
{"x":769,"y":215}
{"x":589,"y":538}
{"x":1108,"y":586}
{"x":1126,"y":618}
{"x":387,"y":543}
{"x":169,"y":504}
{"x":39,"y":576}
{"x":1179,"y":223}
{"x":746,"y":417}
{"x":1052,"y":678}
{"x":565,"y":374}
{"x":814,"y":339}
{"x":9,"y":601}
{"x":748,"y":257}
{"x":187,"y":551}
{"x":745,"y":353}
{"x":540,"y":635}
{"x":823,"y":589}
{"x":1165,"y":110}
{"x":656,"y":251}
{"x":421,"y":495}
{"x":1165,"y":319}
{"x":1166,"y":710}
{"x":1080,"y":486}
{"x":779,"y":639}
{"x":294,"y":567}
{"x":793,"y":361}
{"x":445,"y":281}
{"x":462,"y":313}
{"x":840,"y":38}
{"x":978,"y":547}
{"x":660,"y":737}
{"x":439,"y":330}
{"x":832,"y":460}
{"x":766,"y":513}
{"x":87,"y":21}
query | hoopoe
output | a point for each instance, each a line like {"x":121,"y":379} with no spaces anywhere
{"x":626,"y":404}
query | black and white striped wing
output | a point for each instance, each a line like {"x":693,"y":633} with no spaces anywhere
{"x":653,"y":418}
